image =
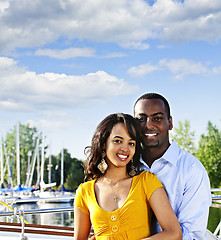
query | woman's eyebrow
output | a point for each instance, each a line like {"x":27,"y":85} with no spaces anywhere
{"x":123,"y":138}
{"x":118,"y":137}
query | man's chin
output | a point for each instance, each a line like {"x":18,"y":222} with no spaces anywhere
{"x":150,"y":144}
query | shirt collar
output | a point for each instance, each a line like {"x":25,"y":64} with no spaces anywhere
{"x":171,"y":155}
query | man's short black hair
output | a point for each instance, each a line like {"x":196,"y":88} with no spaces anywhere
{"x":155,"y":96}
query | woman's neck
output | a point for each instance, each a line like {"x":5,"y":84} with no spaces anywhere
{"x":114,"y":176}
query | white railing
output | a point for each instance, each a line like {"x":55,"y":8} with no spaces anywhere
{"x":217,"y":232}
{"x":21,"y":213}
{"x":216,"y":198}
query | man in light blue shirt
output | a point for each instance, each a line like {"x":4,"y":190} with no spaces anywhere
{"x":183,"y":176}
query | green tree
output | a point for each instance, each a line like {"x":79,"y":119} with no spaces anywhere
{"x":76,"y":174}
{"x":209,"y":153}
{"x":57,"y":161}
{"x":184,"y":137}
{"x":73,"y":170}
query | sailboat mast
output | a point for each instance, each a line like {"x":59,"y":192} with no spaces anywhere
{"x":49,"y":167}
{"x":18,"y":154}
{"x":62,"y":168}
{"x":49,"y":170}
{"x":10,"y":184}
{"x":29,"y":182}
{"x":42,"y":165}
{"x":38,"y":170}
{"x":2,"y":165}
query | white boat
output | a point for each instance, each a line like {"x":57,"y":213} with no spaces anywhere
{"x":55,"y":197}
{"x":49,"y":196}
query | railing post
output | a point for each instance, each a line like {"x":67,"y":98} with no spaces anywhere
{"x":217,"y":232}
{"x":21,"y":215}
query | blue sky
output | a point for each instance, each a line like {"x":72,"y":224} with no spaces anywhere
{"x":66,"y":64}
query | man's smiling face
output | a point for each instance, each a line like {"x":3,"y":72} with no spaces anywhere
{"x":154,"y":122}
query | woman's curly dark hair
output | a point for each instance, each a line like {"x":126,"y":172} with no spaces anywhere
{"x":99,"y":139}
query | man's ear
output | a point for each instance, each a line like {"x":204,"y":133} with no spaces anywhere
{"x":170,"y":123}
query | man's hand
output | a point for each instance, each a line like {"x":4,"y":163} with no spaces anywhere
{"x":92,"y":237}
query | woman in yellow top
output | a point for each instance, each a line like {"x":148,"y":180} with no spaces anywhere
{"x":114,"y":201}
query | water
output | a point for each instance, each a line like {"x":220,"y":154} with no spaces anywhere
{"x":55,"y":219}
{"x":67,"y":218}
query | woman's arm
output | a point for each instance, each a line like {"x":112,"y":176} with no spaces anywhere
{"x":166,"y":217}
{"x":82,"y":224}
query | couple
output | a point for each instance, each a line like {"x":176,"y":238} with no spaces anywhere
{"x":118,"y":204}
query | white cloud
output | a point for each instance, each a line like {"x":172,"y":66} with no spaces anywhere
{"x":66,"y":53}
{"x":25,"y":90}
{"x":75,"y":52}
{"x":11,"y":105}
{"x":162,"y":46}
{"x":3,"y":5}
{"x":135,"y":44}
{"x":178,"y":67}
{"x":216,"y":70}
{"x":114,"y":55}
{"x":48,"y":124}
{"x":184,"y":66}
{"x":141,"y":70}
{"x":27,"y":23}
{"x":7,"y":62}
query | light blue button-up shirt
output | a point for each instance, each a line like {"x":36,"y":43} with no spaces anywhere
{"x":188,"y":189}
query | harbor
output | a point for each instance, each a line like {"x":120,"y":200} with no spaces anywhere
{"x":55,"y":220}
{"x":41,"y":210}
{"x":64,"y":66}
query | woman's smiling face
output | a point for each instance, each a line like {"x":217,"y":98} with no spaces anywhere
{"x":120,"y":147}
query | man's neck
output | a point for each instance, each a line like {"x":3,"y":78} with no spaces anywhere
{"x":150,"y":154}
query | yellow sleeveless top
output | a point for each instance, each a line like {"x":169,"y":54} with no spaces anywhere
{"x":131,"y":220}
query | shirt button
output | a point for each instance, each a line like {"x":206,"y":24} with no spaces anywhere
{"x":113,"y":217}
{"x":115,"y":228}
